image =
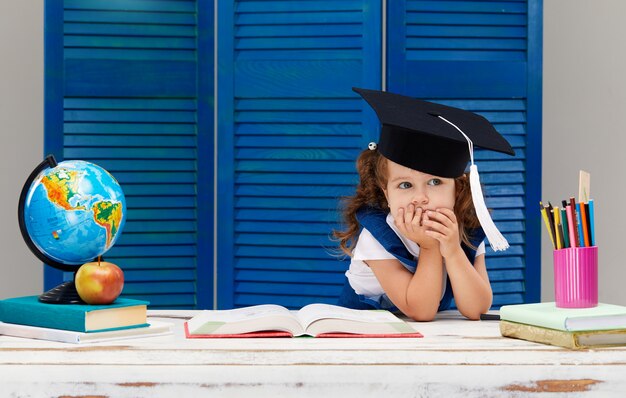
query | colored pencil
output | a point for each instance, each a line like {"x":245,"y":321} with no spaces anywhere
{"x":583,"y":217}
{"x":579,"y":222}
{"x":588,"y":222}
{"x":546,"y":221}
{"x":572,"y":203}
{"x":592,"y":222}
{"x":564,"y":223}
{"x":557,"y":229}
{"x":570,"y":224}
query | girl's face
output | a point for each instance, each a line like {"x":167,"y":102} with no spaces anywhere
{"x":405,"y":186}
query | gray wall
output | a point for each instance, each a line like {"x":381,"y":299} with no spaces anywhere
{"x":584,"y":125}
{"x":21,"y":129}
{"x":583,"y":106}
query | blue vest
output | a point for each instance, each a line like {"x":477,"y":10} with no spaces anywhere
{"x":375,"y":221}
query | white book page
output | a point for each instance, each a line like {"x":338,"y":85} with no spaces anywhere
{"x":243,"y":320}
{"x":314,"y":312}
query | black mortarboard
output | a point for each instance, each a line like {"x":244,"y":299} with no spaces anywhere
{"x":414,"y":135}
{"x":438,"y":140}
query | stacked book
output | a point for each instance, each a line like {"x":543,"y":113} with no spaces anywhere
{"x":77,"y":323}
{"x":575,"y":328}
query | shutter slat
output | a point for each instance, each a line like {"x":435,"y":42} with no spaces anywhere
{"x":297,"y":179}
{"x":269,"y":165}
{"x":465,"y":44}
{"x":129,"y":30}
{"x":312,"y":54}
{"x":287,"y":6}
{"x":133,"y":54}
{"x":84,"y":140}
{"x":147,"y":202}
{"x":498,"y":7}
{"x":154,"y":262}
{"x":288,"y":191}
{"x":118,"y":5}
{"x":437,"y":18}
{"x":84,"y":41}
{"x":130,"y":239}
{"x":291,"y":302}
{"x":294,"y":227}
{"x":298,"y":154}
{"x":160,"y":226}
{"x":466,"y":31}
{"x":289,"y":276}
{"x":298,"y":30}
{"x":291,"y":203}
{"x":298,"y":18}
{"x":286,"y":289}
{"x":300,"y":240}
{"x":303,"y":104}
{"x":300,"y":43}
{"x":286,"y":264}
{"x":129,"y":128}
{"x":144,"y":189}
{"x":130,"y":17}
{"x":144,"y":288}
{"x":287,"y":129}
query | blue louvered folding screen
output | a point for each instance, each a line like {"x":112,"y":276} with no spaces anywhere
{"x":289,"y":131}
{"x":484,"y":56}
{"x":129,"y":86}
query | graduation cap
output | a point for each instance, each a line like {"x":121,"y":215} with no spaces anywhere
{"x":438,"y":140}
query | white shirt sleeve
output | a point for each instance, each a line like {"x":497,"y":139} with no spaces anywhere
{"x":481,"y":249}
{"x":368,"y":248}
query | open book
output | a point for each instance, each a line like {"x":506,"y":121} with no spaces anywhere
{"x":318,"y":320}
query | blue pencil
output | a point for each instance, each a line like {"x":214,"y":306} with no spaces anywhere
{"x":592,"y":227}
{"x":580,"y":225}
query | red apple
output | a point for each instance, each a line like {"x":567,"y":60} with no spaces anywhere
{"x":99,"y":282}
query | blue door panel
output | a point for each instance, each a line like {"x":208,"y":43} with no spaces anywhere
{"x":484,"y":57}
{"x":126,"y":89}
{"x":289,"y":131}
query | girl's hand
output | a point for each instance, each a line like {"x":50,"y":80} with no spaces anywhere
{"x":409,"y":223}
{"x":442,"y":226}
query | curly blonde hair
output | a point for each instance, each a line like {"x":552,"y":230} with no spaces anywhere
{"x":372,"y":169}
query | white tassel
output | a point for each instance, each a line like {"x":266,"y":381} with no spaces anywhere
{"x":496,"y":239}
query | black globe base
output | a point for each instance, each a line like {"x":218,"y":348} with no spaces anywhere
{"x":65,"y":293}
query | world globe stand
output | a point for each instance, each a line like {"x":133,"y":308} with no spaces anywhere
{"x":66,"y":292}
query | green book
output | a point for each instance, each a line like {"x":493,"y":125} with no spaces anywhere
{"x":548,"y":315}
{"x":123,"y":313}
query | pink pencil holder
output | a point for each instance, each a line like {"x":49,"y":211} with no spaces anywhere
{"x":576,"y":277}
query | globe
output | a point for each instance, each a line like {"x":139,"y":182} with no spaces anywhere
{"x":71,"y":213}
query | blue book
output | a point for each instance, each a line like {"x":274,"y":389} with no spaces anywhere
{"x":123,"y":313}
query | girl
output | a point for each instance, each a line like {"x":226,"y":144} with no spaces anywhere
{"x":412,"y":231}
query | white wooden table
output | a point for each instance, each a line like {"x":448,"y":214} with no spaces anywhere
{"x":455,"y":356}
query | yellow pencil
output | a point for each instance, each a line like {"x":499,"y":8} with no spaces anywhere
{"x":544,"y":215}
{"x":557,"y":221}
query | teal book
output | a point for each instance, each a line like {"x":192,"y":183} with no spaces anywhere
{"x":123,"y":313}
{"x":548,"y":315}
